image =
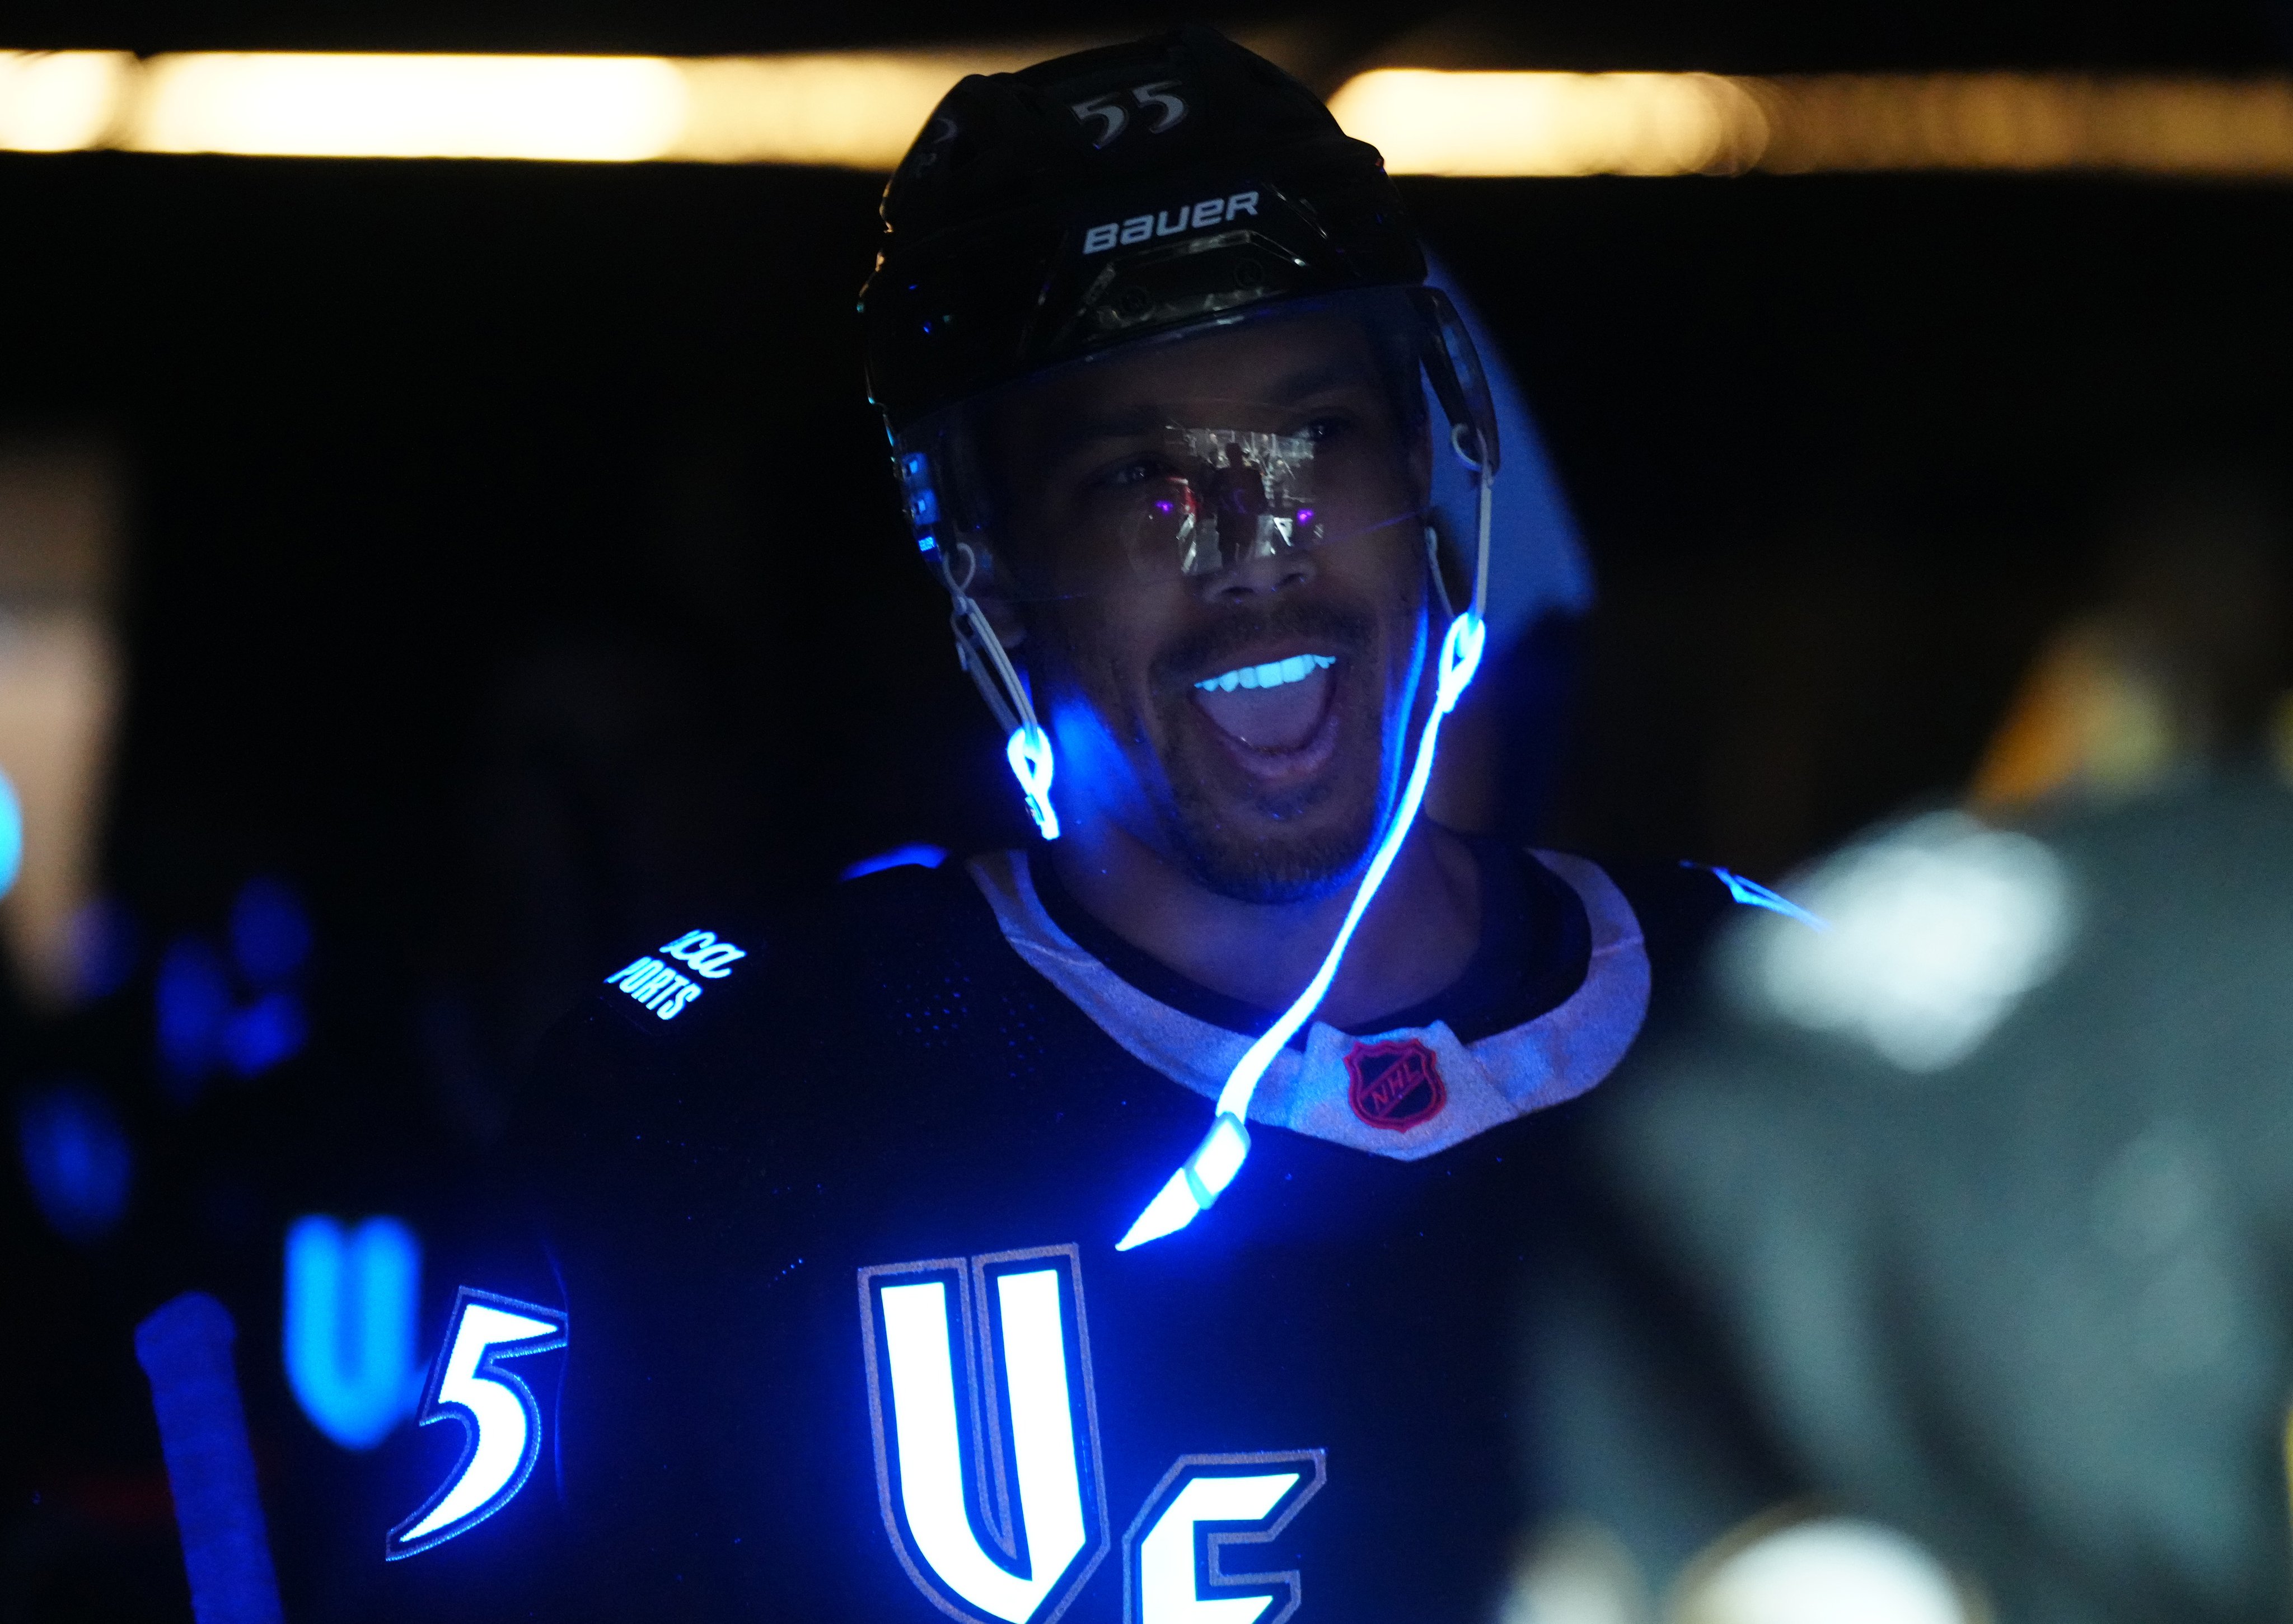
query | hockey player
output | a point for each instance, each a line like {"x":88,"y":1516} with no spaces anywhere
{"x":1120,"y":1228}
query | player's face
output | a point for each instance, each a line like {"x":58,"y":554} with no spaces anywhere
{"x":1240,"y":708}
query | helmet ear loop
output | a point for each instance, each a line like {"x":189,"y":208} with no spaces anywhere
{"x":1433,"y":569}
{"x":1465,"y":439}
{"x":981,"y":654}
{"x":1469,"y":440}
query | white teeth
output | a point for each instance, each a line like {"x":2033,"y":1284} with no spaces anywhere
{"x":1274,"y":674}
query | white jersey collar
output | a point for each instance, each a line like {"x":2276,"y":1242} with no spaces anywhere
{"x":1406,"y":1093}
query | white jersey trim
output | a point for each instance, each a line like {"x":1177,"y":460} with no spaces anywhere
{"x":1541,"y":1062}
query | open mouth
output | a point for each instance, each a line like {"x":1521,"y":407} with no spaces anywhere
{"x":1275,"y":707}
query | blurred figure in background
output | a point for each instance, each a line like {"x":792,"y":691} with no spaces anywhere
{"x":2182,"y":667}
{"x":1940,"y":1263}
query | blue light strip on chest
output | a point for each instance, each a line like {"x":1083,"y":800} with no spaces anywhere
{"x":1206,"y":1173}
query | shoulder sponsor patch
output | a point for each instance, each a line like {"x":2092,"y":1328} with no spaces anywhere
{"x":665,"y":990}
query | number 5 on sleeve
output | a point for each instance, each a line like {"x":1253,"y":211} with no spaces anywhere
{"x":499,"y":1418}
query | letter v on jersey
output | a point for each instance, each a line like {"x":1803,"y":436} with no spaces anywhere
{"x":1019,"y":1551}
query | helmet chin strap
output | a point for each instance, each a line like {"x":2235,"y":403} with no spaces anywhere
{"x":1205,"y":1175}
{"x":980,"y":651}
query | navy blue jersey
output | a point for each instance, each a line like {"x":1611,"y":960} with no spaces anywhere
{"x":811,"y":1307}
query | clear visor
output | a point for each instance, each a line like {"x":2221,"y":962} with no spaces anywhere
{"x":1222,"y":497}
{"x":1181,"y":458}
{"x":1185,"y":502}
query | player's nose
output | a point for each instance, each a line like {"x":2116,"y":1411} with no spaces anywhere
{"x":1262,"y":574}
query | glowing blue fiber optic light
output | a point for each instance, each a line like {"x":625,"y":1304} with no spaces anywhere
{"x":1029,"y":751}
{"x":12,"y":836}
{"x":1753,"y":894}
{"x":495,"y":1409}
{"x":1219,"y":1156}
{"x":351,"y":1300}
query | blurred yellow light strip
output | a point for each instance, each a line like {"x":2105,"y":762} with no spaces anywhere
{"x":604,"y":108}
{"x":61,"y":101}
{"x":860,"y":109}
{"x":2186,"y":126}
{"x":852,"y":109}
{"x":857,"y":110}
{"x":1431,"y":122}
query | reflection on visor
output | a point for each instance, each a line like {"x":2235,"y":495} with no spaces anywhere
{"x":1225,"y":497}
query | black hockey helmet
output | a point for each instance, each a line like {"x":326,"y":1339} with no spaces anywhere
{"x":1110,"y":195}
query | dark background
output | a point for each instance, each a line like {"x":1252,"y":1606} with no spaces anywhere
{"x":513,"y":571}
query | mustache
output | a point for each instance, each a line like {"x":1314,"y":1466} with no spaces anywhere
{"x":1347,"y":631}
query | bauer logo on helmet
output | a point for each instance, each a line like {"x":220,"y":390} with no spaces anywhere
{"x":1170,"y":222}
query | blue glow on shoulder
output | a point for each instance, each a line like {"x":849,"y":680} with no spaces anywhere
{"x":1751,"y":893}
{"x":349,"y":1325}
{"x":501,"y":1422}
{"x":76,"y":1159}
{"x":899,"y":856}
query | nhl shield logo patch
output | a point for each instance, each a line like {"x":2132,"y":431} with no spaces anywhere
{"x":1396,"y":1084}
